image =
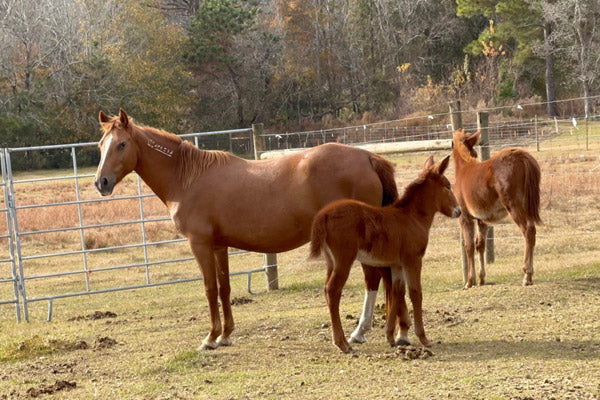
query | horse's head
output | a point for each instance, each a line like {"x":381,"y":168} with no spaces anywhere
{"x":441,"y":189}
{"x":118,"y":152}
{"x":465,"y":141}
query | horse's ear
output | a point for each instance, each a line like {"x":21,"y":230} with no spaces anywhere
{"x":123,"y":118}
{"x":472,"y":140}
{"x":441,"y":167}
{"x":103,"y":118}
{"x":429,"y":163}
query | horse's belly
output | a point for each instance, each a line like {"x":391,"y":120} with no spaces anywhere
{"x":490,"y":215}
{"x":372,"y":260}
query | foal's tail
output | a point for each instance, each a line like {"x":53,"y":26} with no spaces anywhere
{"x":532,"y":188}
{"x":385,"y":171}
{"x":318,"y":235}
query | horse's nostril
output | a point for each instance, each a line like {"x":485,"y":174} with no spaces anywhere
{"x":104,"y":182}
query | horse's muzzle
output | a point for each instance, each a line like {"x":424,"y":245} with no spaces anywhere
{"x":456,"y":213}
{"x":105,"y":185}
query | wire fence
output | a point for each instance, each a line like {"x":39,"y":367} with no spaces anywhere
{"x":60,"y":240}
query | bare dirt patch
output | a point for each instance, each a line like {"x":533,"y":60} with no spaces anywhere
{"x":51,"y":389}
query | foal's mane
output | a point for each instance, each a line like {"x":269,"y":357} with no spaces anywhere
{"x":460,"y":148}
{"x":410,"y":191}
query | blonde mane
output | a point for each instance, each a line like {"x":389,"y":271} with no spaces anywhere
{"x":459,"y":147}
{"x":192,"y":162}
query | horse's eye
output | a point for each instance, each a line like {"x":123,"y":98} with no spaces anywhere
{"x":121,"y":146}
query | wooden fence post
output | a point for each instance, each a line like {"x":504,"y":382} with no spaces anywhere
{"x":537,"y":136}
{"x":270,"y":259}
{"x":484,"y":154}
{"x":456,"y":123}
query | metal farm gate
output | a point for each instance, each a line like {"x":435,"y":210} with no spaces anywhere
{"x":53,"y":246}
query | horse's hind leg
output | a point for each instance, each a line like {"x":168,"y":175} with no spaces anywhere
{"x":403,"y":317}
{"x":340,"y":269}
{"x":365,"y":323}
{"x":206,"y":260}
{"x":468,"y":229}
{"x":482,"y":230}
{"x":529,"y":233}
{"x":528,"y":230}
{"x":222,"y":259}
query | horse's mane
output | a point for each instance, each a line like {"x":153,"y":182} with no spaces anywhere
{"x":191,"y":161}
{"x":460,"y":148}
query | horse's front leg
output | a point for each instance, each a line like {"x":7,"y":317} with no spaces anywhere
{"x":222,"y":259}
{"x":413,"y":279}
{"x":205,"y":256}
{"x":480,"y":243}
{"x":372,"y":278}
{"x":468,"y":230}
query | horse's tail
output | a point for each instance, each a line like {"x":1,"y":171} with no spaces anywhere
{"x":532,"y":188}
{"x":385,"y":171}
{"x":318,"y":235}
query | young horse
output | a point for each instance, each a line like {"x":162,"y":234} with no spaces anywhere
{"x":218,"y":200}
{"x":507,"y":183}
{"x":395,"y":235}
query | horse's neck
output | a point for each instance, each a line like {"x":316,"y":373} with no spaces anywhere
{"x":462,"y":158}
{"x":157,"y":165}
{"x":420,"y":210}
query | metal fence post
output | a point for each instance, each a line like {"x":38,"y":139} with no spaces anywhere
{"x":270,"y":259}
{"x":9,"y":234}
{"x":456,"y":123}
{"x":484,"y":151}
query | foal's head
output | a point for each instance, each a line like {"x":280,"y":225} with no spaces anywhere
{"x":439,"y":191}
{"x":464,"y":143}
{"x":118,"y":152}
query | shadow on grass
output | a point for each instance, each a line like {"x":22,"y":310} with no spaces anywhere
{"x":501,"y":349}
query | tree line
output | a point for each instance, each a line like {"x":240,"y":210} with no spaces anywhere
{"x":192,"y":65}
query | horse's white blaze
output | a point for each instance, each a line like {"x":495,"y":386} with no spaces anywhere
{"x":104,"y":153}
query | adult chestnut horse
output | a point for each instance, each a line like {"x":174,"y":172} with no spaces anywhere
{"x":395,"y":236}
{"x":218,"y":200}
{"x":506,"y":184}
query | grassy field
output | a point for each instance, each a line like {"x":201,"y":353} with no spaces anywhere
{"x":499,"y":341}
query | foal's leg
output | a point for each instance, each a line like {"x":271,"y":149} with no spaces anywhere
{"x":528,"y":230}
{"x":413,"y":279}
{"x":340,"y":269}
{"x":206,"y":260}
{"x":393,"y":302}
{"x":222,"y":260}
{"x":372,"y":278}
{"x":468,"y":229}
{"x":403,"y":317}
{"x":480,"y":243}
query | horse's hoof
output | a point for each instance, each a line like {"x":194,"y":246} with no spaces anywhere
{"x":208,"y":345}
{"x":221,"y":341}
{"x":347,"y":350}
{"x":481,"y":281}
{"x":402,"y":342}
{"x":358,"y":339}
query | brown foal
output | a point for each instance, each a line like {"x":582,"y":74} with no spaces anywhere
{"x":506,"y":184}
{"x":395,"y":236}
